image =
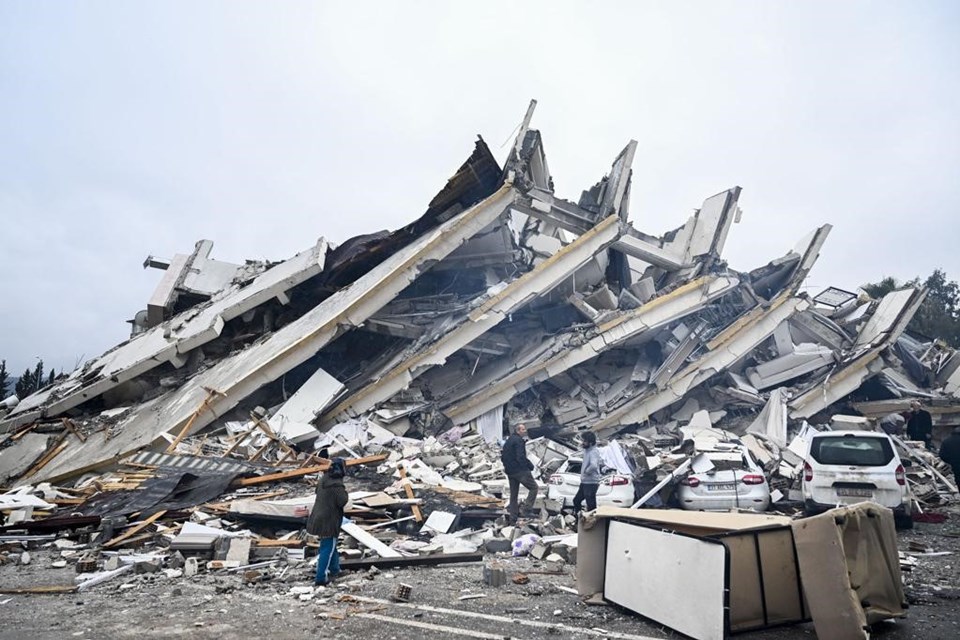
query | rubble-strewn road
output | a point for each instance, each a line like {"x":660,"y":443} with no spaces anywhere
{"x":154,"y":606}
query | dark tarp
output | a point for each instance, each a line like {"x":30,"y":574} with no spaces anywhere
{"x":167,"y":491}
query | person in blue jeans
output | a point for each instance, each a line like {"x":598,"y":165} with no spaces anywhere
{"x":325,"y":518}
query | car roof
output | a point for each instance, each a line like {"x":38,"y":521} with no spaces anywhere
{"x":834,"y":434}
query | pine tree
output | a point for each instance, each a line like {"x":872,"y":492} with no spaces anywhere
{"x":25,"y":385}
{"x":38,"y":376}
{"x":31,"y":381}
{"x":4,"y":379}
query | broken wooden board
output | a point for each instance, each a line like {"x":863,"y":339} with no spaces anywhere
{"x":409,"y":492}
{"x":465,"y":499}
{"x":136,"y":528}
{"x":411,"y":561}
{"x":43,"y":589}
{"x":380,"y":499}
{"x":299,"y":473}
{"x":354,"y":531}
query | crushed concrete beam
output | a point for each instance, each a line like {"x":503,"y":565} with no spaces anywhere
{"x":167,"y":342}
{"x":239,"y":375}
{"x":292,"y":421}
{"x":543,"y":205}
{"x":650,"y":253}
{"x":491,"y":389}
{"x":804,"y":359}
{"x":874,"y":338}
{"x":616,"y":190}
{"x":705,"y":233}
{"x":542,"y":279}
{"x":727,"y":348}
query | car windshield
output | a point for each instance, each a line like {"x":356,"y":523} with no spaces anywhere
{"x":730,"y":460}
{"x":865,"y":451}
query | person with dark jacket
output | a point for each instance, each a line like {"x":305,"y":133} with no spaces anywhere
{"x":950,"y":452}
{"x":518,"y":468}
{"x":325,"y":518}
{"x":920,"y":424}
{"x":589,"y":473}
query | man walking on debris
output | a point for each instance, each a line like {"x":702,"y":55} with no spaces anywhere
{"x":892,"y":424}
{"x":518,"y":468}
{"x":325,"y":519}
{"x":920,"y":425}
{"x":950,"y":453}
{"x":589,"y":473}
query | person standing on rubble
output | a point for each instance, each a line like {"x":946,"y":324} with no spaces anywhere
{"x":589,"y":474}
{"x":892,"y":424}
{"x":518,"y":469}
{"x":950,"y":453}
{"x":325,"y":519}
{"x":920,"y":425}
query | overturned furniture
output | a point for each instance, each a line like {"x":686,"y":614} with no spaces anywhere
{"x":711,"y":574}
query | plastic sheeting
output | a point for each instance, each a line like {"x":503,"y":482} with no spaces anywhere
{"x":614,"y":457}
{"x":490,"y":425}
{"x":166,"y":491}
{"x":772,"y":421}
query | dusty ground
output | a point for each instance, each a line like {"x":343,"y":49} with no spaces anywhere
{"x":223,"y":606}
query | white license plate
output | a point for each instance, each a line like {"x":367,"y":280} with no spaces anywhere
{"x":726,"y":486}
{"x":854,"y":493}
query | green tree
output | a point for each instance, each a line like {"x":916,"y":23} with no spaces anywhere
{"x":877,"y":290}
{"x":25,"y":385}
{"x":31,"y":381}
{"x":4,"y":379}
{"x":939,"y":315}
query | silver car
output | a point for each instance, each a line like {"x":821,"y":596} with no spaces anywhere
{"x":736,"y":481}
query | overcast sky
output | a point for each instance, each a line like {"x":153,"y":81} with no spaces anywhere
{"x":130,"y":128}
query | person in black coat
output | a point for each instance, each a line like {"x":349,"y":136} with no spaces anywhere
{"x":920,"y":424}
{"x":325,"y":518}
{"x":950,"y":452}
{"x":518,"y":469}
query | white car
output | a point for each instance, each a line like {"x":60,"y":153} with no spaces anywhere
{"x":735,"y":482}
{"x":616,"y":489}
{"x":846,"y":467}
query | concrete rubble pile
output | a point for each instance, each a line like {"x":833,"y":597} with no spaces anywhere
{"x":411,"y":353}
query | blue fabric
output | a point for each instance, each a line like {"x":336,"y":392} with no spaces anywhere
{"x":328,"y":560}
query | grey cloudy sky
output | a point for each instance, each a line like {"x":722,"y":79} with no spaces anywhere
{"x":134,"y":128}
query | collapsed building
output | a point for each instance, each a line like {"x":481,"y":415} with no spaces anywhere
{"x":503,"y":303}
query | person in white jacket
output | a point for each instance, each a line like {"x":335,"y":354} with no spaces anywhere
{"x":589,"y":473}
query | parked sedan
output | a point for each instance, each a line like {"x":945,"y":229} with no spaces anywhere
{"x":616,"y":489}
{"x":735,"y":482}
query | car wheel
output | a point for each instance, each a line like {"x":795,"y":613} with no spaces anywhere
{"x":902,"y":520}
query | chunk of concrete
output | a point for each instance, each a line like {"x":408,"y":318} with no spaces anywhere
{"x":239,"y":550}
{"x":498,"y":545}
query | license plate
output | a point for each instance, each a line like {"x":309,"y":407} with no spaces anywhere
{"x":854,"y":493}
{"x":726,"y":486}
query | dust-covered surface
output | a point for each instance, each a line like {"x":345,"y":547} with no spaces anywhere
{"x":282,"y":602}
